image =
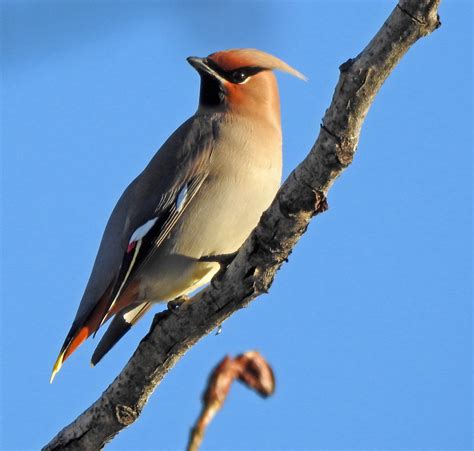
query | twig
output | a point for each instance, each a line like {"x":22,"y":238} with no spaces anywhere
{"x":250,"y":368}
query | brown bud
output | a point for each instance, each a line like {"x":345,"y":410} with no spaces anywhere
{"x":256,"y":373}
{"x":250,"y":368}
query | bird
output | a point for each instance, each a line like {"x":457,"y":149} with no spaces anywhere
{"x":198,"y":198}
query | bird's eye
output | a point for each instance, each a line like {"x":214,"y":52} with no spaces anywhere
{"x":239,"y":76}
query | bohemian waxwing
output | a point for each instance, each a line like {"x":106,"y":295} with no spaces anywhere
{"x":200,"y":196}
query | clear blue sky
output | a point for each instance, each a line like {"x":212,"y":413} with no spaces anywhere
{"x":368,"y":327}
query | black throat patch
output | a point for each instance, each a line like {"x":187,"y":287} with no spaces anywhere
{"x":212,"y":93}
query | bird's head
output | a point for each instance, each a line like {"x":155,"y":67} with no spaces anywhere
{"x":240,"y":80}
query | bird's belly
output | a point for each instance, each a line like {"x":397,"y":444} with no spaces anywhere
{"x":217,"y":222}
{"x":170,"y":276}
{"x":220,"y":219}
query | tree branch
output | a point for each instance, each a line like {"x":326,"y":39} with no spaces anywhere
{"x":302,"y":196}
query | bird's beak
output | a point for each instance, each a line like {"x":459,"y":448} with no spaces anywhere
{"x":201,"y":65}
{"x":196,"y":62}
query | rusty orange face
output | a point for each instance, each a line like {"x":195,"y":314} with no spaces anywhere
{"x":239,"y":77}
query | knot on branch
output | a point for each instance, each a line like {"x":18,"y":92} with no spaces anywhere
{"x":423,"y":13}
{"x":125,"y":415}
{"x":258,"y":279}
{"x":321,"y":203}
{"x":346,"y":150}
{"x":344,"y":67}
{"x":345,"y":147}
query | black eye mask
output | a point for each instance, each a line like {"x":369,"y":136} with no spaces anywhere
{"x":235,"y":76}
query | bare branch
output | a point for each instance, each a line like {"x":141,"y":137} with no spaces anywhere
{"x":250,"y":368}
{"x":302,"y":196}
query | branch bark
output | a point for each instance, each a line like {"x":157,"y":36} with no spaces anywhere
{"x":301,"y":197}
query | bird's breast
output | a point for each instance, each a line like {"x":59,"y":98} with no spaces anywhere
{"x":244,"y":176}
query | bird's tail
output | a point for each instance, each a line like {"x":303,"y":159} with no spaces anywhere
{"x":78,"y":333}
{"x":120,"y":325}
{"x":84,"y":327}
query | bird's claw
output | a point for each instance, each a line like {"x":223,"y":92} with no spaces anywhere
{"x":174,"y":305}
{"x":224,"y":261}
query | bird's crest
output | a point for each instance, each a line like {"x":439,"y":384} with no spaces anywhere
{"x":236,"y":58}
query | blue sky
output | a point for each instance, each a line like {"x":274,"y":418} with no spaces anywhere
{"x":369,"y":325}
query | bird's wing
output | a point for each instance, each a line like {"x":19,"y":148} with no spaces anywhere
{"x":148,"y":237}
{"x":120,"y":325}
{"x":143,"y":217}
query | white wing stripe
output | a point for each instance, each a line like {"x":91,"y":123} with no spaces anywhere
{"x":181,"y":197}
{"x":142,"y":230}
{"x":119,"y":292}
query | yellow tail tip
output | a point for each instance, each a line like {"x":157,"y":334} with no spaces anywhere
{"x":57,"y":366}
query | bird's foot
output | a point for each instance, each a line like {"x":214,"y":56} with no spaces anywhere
{"x":224,"y":261}
{"x":174,"y":305}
